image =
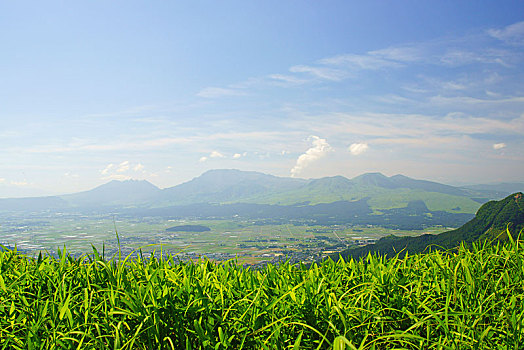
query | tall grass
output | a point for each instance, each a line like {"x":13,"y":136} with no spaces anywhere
{"x":469,"y":299}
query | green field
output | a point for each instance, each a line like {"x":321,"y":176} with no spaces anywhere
{"x":469,"y":299}
{"x":379,"y":198}
{"x":249,"y":241}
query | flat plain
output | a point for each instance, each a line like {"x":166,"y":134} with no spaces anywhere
{"x":246,"y":240}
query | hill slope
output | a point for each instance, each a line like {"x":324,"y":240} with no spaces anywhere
{"x":227,"y":185}
{"x":128,"y":192}
{"x":384,"y":195}
{"x":381,"y":192}
{"x":490,"y":222}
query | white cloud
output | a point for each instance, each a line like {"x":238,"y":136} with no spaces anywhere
{"x":284,"y":79}
{"x":512,"y":34}
{"x":320,"y":72}
{"x":239,"y":155}
{"x":107,"y":169}
{"x":203,"y":159}
{"x":216,"y":92}
{"x":216,"y":154}
{"x":123,"y":167}
{"x":320,"y":149}
{"x":358,"y":148}
{"x":499,"y":146}
{"x":121,"y":171}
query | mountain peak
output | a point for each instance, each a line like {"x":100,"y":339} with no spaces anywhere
{"x":223,"y":185}
{"x":374,"y":179}
{"x":127,"y":184}
{"x":400,"y":177}
{"x":373,"y":175}
{"x":124,"y":192}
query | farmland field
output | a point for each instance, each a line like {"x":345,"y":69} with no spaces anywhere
{"x":250,"y":241}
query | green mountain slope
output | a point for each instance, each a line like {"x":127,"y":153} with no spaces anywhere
{"x":490,"y":222}
{"x":381,"y":192}
{"x":226,"y":186}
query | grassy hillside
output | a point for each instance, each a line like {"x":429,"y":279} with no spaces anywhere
{"x":495,"y":220}
{"x":472,"y":299}
{"x":378,"y":198}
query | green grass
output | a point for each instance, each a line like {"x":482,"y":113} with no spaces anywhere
{"x":469,"y":299}
{"x":379,"y":198}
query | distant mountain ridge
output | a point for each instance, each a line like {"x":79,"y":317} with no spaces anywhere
{"x":228,"y":186}
{"x":114,"y":193}
{"x":502,"y":188}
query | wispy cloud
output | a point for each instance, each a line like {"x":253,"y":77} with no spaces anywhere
{"x":320,"y":149}
{"x":107,"y":169}
{"x":123,"y":167}
{"x":440,"y":55}
{"x":512,"y":34}
{"x":286,"y":79}
{"x":122,"y":171}
{"x":498,"y":146}
{"x":217,"y":92}
{"x":320,"y":72}
{"x":468,"y":100}
{"x":400,"y":53}
{"x":359,"y":62}
{"x":459,"y":57}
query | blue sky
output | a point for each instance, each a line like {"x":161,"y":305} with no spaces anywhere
{"x":93,"y":91}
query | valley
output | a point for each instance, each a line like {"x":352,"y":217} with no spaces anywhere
{"x":231,"y":214}
{"x":248,"y":241}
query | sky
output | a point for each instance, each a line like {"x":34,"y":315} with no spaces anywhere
{"x":93,"y":91}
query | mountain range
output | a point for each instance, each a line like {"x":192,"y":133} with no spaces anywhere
{"x":256,"y":195}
